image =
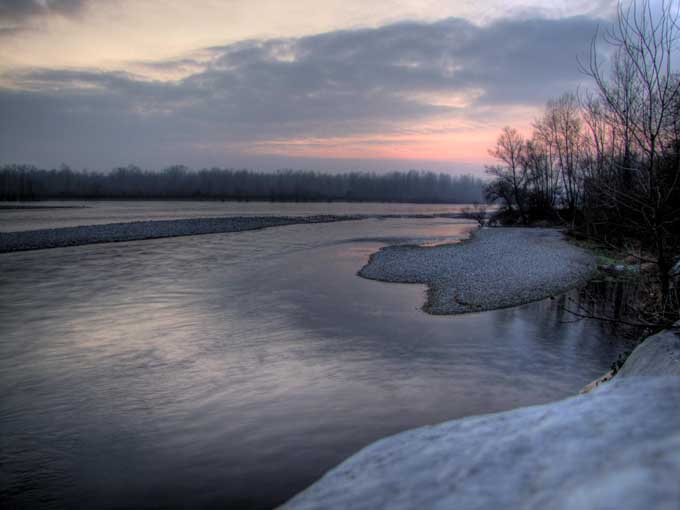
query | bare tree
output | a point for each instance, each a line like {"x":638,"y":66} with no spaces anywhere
{"x":640,"y":97}
{"x":511,"y":175}
{"x":560,"y":132}
{"x":18,"y":182}
{"x":476,"y":212}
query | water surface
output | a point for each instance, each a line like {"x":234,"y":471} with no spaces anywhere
{"x":232,"y":370}
{"x":73,"y":213}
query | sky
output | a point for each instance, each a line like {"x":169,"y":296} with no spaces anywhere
{"x":330,"y":85}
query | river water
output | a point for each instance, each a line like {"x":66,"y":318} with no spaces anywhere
{"x":232,"y":370}
{"x":53,"y":214}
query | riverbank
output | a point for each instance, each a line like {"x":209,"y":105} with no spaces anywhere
{"x":495,"y":268}
{"x":615,"y":447}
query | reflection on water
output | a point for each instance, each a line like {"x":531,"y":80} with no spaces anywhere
{"x":616,"y":300}
{"x":232,"y":370}
{"x":96,"y":212}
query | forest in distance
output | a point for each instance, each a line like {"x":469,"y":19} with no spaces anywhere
{"x":23,"y":182}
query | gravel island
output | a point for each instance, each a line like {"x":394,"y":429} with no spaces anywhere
{"x":155,"y":229}
{"x":140,"y":230}
{"x":495,"y":268}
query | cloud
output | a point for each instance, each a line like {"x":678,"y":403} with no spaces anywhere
{"x":18,"y":10}
{"x":400,"y":81}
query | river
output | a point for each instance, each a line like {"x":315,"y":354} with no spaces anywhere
{"x":232,"y":370}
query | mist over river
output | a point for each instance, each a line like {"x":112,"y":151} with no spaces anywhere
{"x":232,"y":370}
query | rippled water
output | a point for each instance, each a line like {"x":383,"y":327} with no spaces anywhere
{"x":95,"y":212}
{"x":232,"y":370}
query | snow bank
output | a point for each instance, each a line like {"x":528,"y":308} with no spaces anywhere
{"x":617,"y":447}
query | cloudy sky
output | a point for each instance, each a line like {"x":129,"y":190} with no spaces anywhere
{"x":264,"y":84}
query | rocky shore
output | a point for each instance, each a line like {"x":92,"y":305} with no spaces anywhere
{"x":495,"y":268}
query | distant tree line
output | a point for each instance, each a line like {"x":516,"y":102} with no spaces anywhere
{"x":608,"y":162}
{"x":21,"y":182}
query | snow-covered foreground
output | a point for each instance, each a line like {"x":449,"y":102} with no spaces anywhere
{"x":617,"y":447}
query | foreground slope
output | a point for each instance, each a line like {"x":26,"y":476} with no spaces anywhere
{"x":617,"y":447}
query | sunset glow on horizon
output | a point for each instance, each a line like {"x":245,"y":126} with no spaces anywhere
{"x":403,"y":84}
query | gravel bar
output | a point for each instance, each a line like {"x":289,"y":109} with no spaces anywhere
{"x":495,"y":268}
{"x":139,"y":230}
